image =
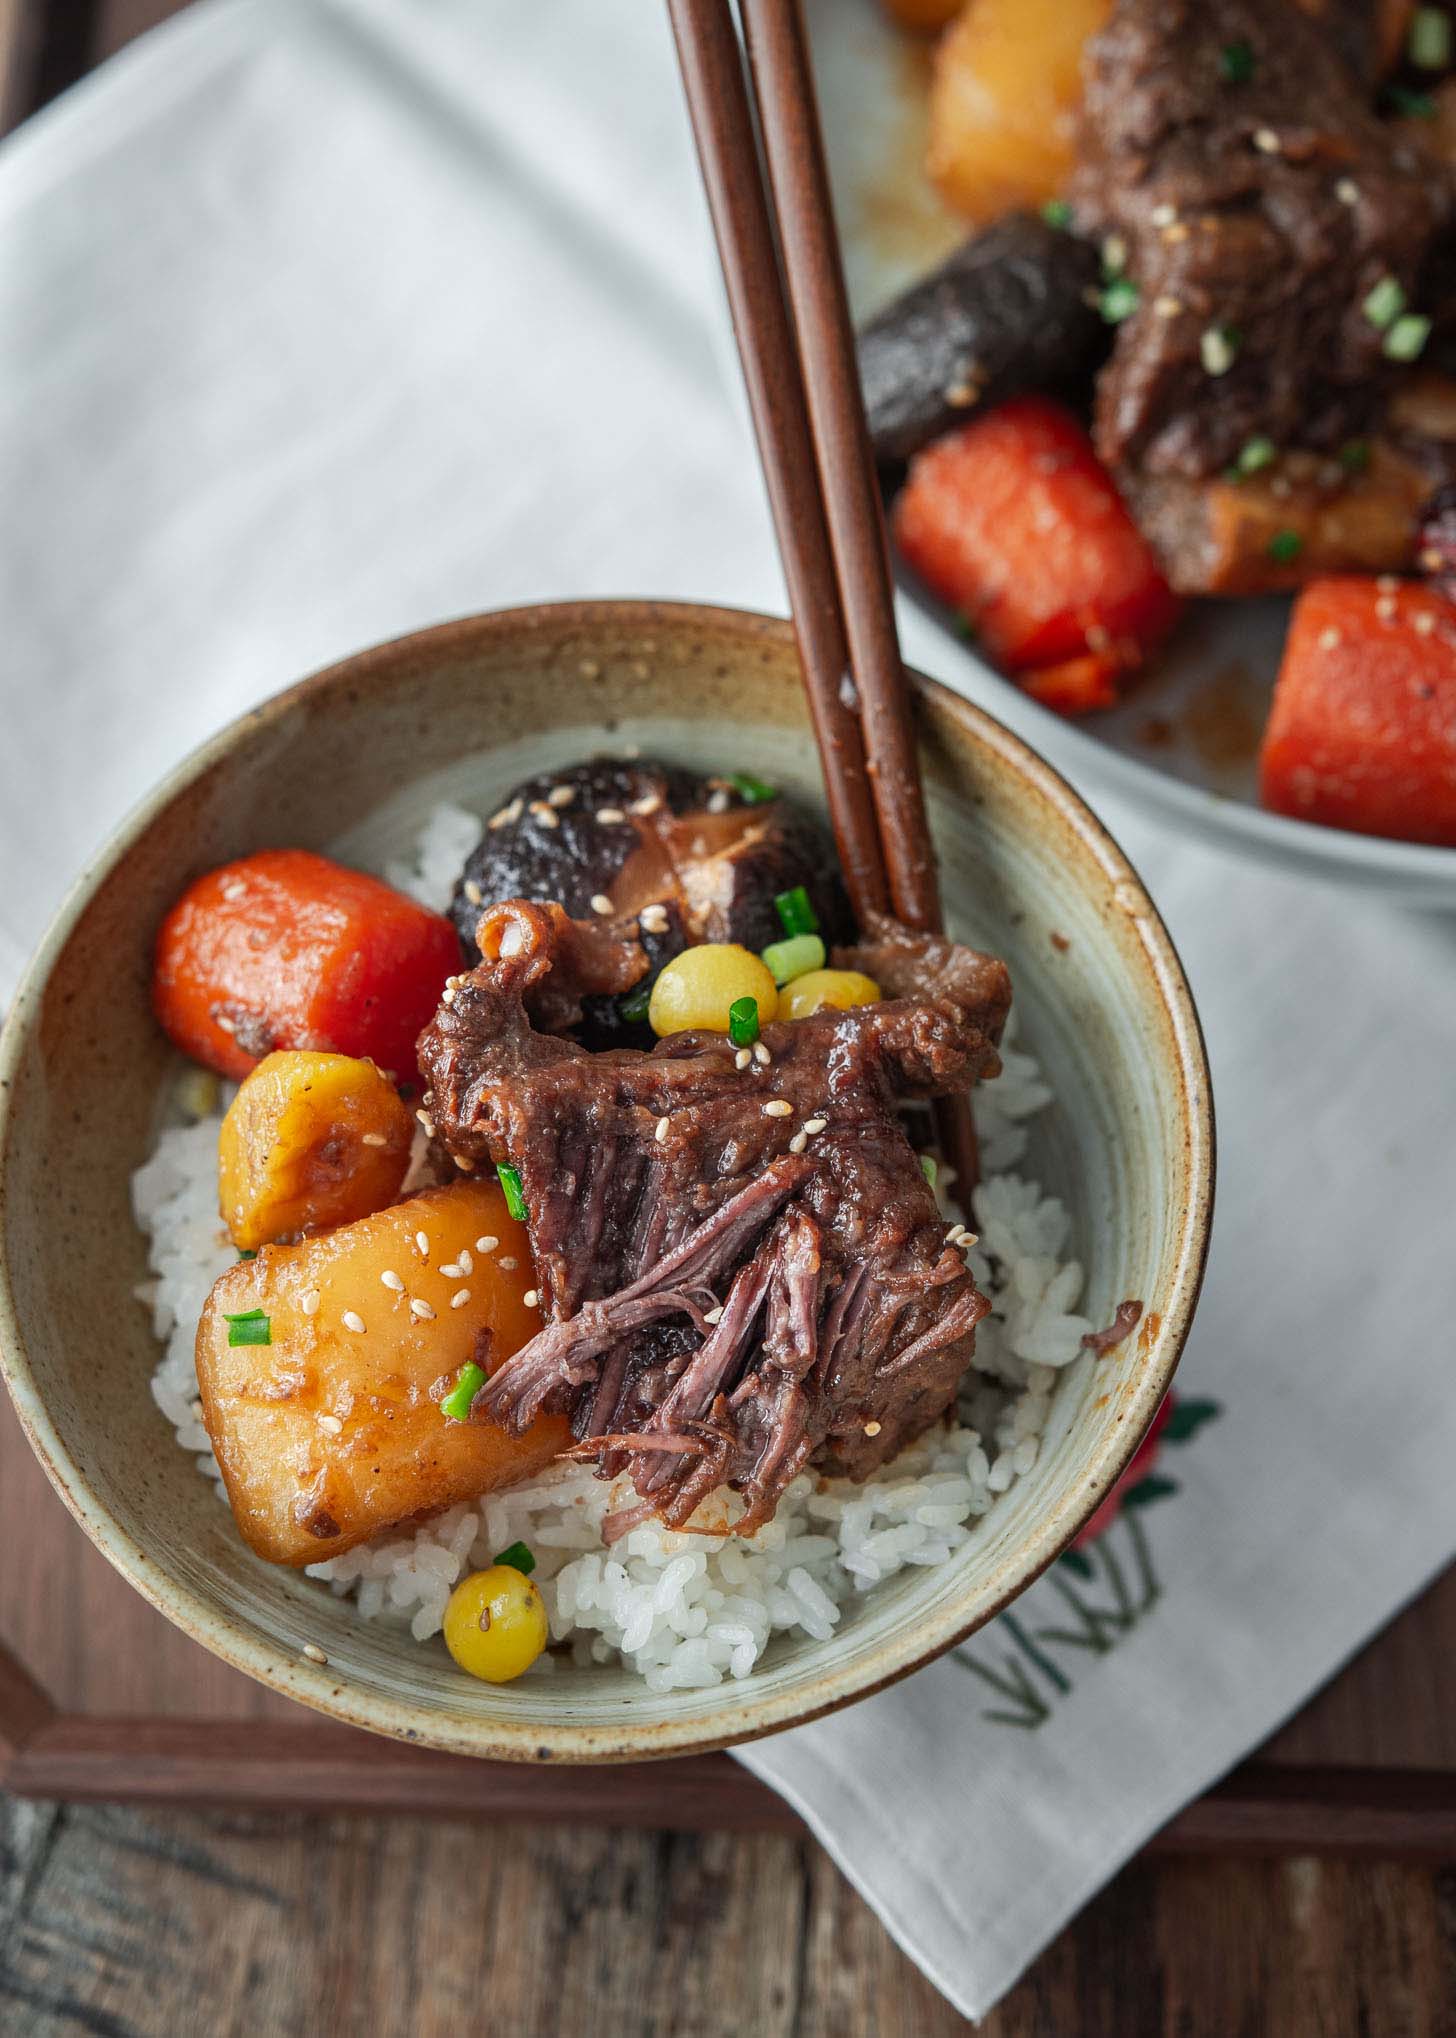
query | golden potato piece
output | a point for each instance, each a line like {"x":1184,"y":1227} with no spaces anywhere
{"x":332,"y":1430}
{"x":1004,"y":100}
{"x":310,"y":1141}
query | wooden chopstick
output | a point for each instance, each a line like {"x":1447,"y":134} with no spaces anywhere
{"x":717,"y":95}
{"x":814,"y":446}
{"x":793,"y":147}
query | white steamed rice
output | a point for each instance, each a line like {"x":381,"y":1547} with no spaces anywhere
{"x":680,"y":1609}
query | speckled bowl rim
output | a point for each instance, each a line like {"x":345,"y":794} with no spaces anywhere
{"x":275,"y":1665}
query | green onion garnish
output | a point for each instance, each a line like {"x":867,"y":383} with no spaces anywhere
{"x":1355,"y":456}
{"x":796,"y":915}
{"x":794,"y":957}
{"x":468,"y":1383}
{"x":1406,"y":337}
{"x":1119,"y":300}
{"x":247,"y":1252}
{"x":519,"y":1558}
{"x":1236,"y":63}
{"x":1413,"y":105}
{"x":929,"y":1168}
{"x":634,"y":1009}
{"x":510,"y":1181}
{"x":1428,"y":44}
{"x":754,"y":790}
{"x":743,"y":1021}
{"x":1256,"y":453}
{"x":1284,"y":547}
{"x":1056,"y":212}
{"x":1217,"y":348}
{"x":249,"y":1327}
{"x":1385,"y":303}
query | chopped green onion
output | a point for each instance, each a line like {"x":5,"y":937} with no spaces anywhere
{"x":1285,"y":547}
{"x":1355,"y":456}
{"x":519,"y":1557}
{"x":929,"y":1168}
{"x":1236,"y":63}
{"x":249,"y":1327}
{"x":1119,"y":300}
{"x":1218,"y":347}
{"x":1413,"y":105}
{"x":796,"y":915}
{"x":246,"y":1252}
{"x":468,"y":1383}
{"x":1428,"y":44}
{"x":754,"y":790}
{"x":1256,"y":454}
{"x":510,"y":1181}
{"x":1384,"y":304}
{"x":634,"y":1009}
{"x":1406,"y":337}
{"x":743,"y":1021}
{"x":1056,"y":212}
{"x":794,"y":957}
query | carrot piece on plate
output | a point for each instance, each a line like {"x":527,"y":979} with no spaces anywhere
{"x":1362,"y":733}
{"x":285,"y":949}
{"x":1077,"y":686}
{"x":1014,"y":521}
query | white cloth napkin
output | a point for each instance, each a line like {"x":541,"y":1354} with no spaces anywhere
{"x":322,"y":319}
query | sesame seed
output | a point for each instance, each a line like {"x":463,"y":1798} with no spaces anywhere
{"x":778,"y":1107}
{"x":352,"y":1320}
{"x":1175,"y":233}
{"x":1385,"y":608}
{"x":1330,"y":640}
{"x":234,"y":888}
{"x":309,"y":1303}
{"x":815,"y":1124}
{"x":428,"y":1122}
{"x":314,"y":1653}
{"x":743,"y":1057}
{"x":506,"y":1263}
{"x":969,"y":1239}
{"x":601,"y":904}
{"x":330,"y":1424}
{"x":561,"y":795}
{"x":713,"y":1315}
{"x":1163,"y":215}
{"x":661,"y":1132}
{"x":392,"y":1281}
{"x":1168,"y":307}
{"x":224,"y":1024}
{"x":610,"y":816}
{"x":447,"y":996}
{"x":548,"y":818}
{"x":420,"y":1308}
{"x":1424,"y":623}
{"x":1216,"y":350}
{"x":588,"y":668}
{"x":1386,"y":583}
{"x":452,"y":1270}
{"x":504,"y":817}
{"x":718,"y":803}
{"x":466,"y":1263}
{"x":532,"y":1298}
{"x":487,"y":1244}
{"x":648,"y":804}
{"x":373,"y":1139}
{"x":761,"y":1054}
{"x":466,"y":1167}
{"x":1114,"y":251}
{"x":1266,"y":141}
{"x":799,"y":1141}
{"x":654,"y":919}
{"x":424,"y":1245}
{"x":1348,"y":191}
{"x":473,"y":893}
{"x":459,"y":1299}
{"x":872,"y":1429}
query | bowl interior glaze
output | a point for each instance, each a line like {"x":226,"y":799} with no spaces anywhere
{"x":351,"y":760}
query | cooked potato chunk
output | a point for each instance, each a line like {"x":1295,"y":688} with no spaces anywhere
{"x":310,"y":1141}
{"x":1004,"y":99}
{"x":331,"y":1430}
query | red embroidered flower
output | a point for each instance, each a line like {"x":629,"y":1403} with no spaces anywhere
{"x":1143,"y":1460}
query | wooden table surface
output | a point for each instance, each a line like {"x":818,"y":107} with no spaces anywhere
{"x":115,"y":1922}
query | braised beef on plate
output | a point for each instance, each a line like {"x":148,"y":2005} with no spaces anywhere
{"x":742,"y":1266}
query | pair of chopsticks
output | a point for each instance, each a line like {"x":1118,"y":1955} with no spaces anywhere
{"x":780,"y":256}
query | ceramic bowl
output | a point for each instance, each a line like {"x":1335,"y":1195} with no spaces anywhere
{"x":351,"y":760}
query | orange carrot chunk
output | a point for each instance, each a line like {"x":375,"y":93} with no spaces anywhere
{"x":286,"y":949}
{"x":1362,"y":733}
{"x":1014,"y":521}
